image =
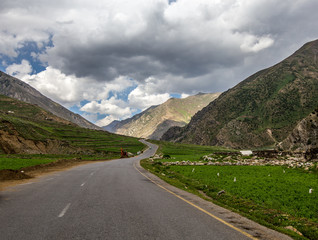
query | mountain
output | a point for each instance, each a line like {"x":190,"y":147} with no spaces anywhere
{"x":112,"y":126}
{"x":260,"y":111}
{"x":28,"y":129}
{"x":15,"y":88}
{"x":156,"y":120}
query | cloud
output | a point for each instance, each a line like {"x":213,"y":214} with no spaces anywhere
{"x":145,"y":95}
{"x":184,"y":95}
{"x":19,"y":70}
{"x":68,"y":89}
{"x":114,"y":108}
{"x":139,"y":98}
{"x":141,"y":52}
{"x":143,"y":39}
{"x":255,"y":44}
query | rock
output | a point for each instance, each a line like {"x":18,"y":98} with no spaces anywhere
{"x":221,"y":192}
{"x":294,"y":230}
{"x":246,"y":152}
{"x":130,"y":154}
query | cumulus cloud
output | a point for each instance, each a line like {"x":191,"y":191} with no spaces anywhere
{"x":139,"y":98}
{"x":68,"y":89}
{"x":19,"y":70}
{"x":113,"y":106}
{"x":144,"y":38}
{"x":184,"y":95}
{"x":145,"y":96}
{"x":150,"y":49}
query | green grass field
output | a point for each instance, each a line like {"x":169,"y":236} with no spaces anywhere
{"x":264,"y":185}
{"x":18,"y":161}
{"x":189,"y":152}
{"x":274,"y":196}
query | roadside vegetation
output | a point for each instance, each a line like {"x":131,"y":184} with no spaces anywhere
{"x":275,"y":196}
{"x":190,"y":152}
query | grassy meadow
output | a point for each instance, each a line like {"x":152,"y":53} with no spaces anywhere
{"x":189,"y":152}
{"x":275,"y":196}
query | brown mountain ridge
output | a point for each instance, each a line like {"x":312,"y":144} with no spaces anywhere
{"x":156,"y":120}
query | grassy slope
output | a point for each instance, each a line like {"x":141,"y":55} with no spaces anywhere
{"x":33,"y":123}
{"x":263,"y":193}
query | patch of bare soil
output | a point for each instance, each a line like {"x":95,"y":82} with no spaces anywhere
{"x":8,"y":174}
{"x":14,"y":177}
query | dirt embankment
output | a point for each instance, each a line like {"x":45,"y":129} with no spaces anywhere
{"x":29,"y":172}
{"x":14,"y":177}
{"x":13,"y":143}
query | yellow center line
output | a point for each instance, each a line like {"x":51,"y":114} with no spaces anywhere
{"x":199,"y":208}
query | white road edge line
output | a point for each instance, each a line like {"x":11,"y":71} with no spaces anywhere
{"x":27,"y":183}
{"x":64,"y":210}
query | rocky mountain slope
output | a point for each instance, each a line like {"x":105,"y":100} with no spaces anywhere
{"x":155,"y":121}
{"x":15,"y":88}
{"x":261,"y":110}
{"x":304,"y":136}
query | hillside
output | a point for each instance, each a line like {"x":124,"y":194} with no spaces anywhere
{"x":15,"y":88}
{"x":155,"y":121}
{"x":261,"y":110}
{"x":28,"y":129}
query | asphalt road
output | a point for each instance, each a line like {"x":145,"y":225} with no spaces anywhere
{"x":105,"y":200}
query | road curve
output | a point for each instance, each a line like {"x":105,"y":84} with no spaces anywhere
{"x":115,"y":200}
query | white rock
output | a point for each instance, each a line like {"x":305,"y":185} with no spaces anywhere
{"x":246,"y":152}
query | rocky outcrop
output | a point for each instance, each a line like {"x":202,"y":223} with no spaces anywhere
{"x":13,"y":143}
{"x":163,"y":127}
{"x":304,"y":136}
{"x":218,"y":159}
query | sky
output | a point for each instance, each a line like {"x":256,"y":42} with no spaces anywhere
{"x":108,"y":60}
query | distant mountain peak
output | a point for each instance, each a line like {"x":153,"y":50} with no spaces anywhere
{"x":154,"y":121}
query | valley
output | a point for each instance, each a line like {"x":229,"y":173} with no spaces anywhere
{"x":156,"y":120}
{"x":273,"y":113}
{"x":161,"y":119}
